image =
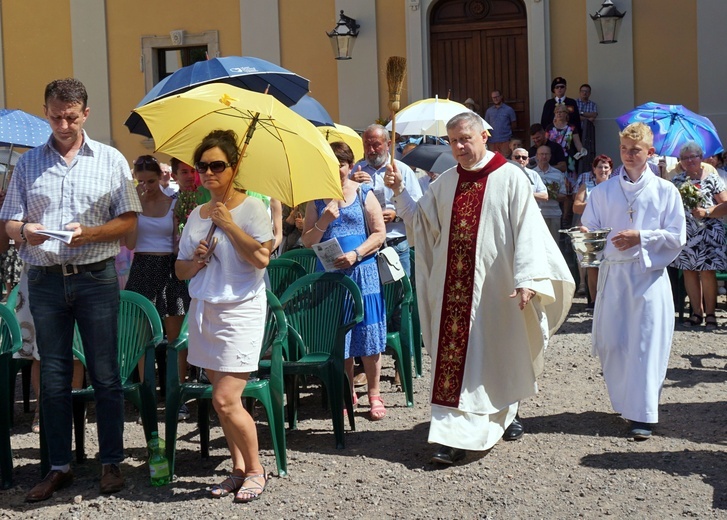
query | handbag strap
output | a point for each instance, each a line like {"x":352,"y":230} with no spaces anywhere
{"x":359,"y":196}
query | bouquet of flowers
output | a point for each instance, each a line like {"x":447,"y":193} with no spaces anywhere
{"x":186,"y":202}
{"x":691,"y":197}
{"x":553,"y":190}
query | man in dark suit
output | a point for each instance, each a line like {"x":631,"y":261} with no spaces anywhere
{"x":557,"y":87}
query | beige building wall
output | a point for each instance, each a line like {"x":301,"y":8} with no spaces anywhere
{"x":568,"y":47}
{"x":391,"y":41}
{"x":305,"y":49}
{"x":37,"y":48}
{"x":125,"y":29}
{"x":665,"y":52}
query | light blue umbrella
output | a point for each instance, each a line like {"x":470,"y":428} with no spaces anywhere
{"x":673,"y":127}
{"x":18,"y":128}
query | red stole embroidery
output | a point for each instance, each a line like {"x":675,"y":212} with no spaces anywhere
{"x":454,"y":327}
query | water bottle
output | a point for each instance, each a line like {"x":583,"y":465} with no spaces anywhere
{"x":158,"y":463}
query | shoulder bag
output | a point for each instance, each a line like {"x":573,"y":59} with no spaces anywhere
{"x":387,"y":259}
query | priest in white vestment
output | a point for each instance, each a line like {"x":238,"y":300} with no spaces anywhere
{"x":633,"y":319}
{"x":492,"y":287}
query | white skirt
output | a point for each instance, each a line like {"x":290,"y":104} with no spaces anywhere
{"x":226,"y":337}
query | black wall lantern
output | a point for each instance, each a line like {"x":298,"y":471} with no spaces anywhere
{"x":343,"y":36}
{"x":608,"y":20}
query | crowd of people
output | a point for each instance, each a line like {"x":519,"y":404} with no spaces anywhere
{"x":491,"y":275}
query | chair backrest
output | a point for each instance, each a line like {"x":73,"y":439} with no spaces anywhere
{"x":11,"y":338}
{"x":304,"y":256}
{"x":321,"y":308}
{"x":12,"y":299}
{"x":139,"y":325}
{"x":282,"y":273}
{"x":398,"y":293}
{"x":276,"y":325}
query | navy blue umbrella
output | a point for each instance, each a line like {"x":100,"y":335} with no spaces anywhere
{"x":245,"y":72}
{"x":18,"y":128}
{"x":313,"y":111}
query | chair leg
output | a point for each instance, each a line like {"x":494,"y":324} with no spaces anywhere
{"x":292,"y":393}
{"x":170,"y":427}
{"x":79,"y":425}
{"x":334,"y":391}
{"x":203,"y":424}
{"x":6,"y":411}
{"x":26,"y":388}
{"x":277,"y":432}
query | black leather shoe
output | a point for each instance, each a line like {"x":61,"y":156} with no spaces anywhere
{"x":447,"y":455}
{"x":640,"y":431}
{"x":514,"y":431}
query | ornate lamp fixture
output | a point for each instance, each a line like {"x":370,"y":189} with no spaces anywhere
{"x":608,"y":20}
{"x":343,"y":36}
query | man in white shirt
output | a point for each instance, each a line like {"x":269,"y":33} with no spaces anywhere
{"x":371,"y":169}
{"x":540,"y":191}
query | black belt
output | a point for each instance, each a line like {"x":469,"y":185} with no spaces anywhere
{"x":391,"y":242}
{"x":69,"y":269}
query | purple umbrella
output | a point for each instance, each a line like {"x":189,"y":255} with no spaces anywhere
{"x":673,"y":127}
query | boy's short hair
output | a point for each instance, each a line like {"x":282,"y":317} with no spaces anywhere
{"x":638,"y":132}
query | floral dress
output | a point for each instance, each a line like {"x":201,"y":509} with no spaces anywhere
{"x":368,"y":337}
{"x":564,"y":137}
{"x":705,"y":248}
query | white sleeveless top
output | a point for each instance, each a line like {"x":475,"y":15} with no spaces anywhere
{"x":156,"y":234}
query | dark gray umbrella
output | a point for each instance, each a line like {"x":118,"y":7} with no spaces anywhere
{"x":436,"y":158}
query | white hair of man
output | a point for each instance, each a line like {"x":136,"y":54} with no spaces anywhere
{"x":377,"y":128}
{"x":469,"y":120}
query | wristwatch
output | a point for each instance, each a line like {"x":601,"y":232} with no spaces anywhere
{"x":707,"y":212}
{"x":358,"y":255}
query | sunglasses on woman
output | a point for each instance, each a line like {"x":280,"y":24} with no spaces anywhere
{"x":214,"y":166}
{"x":146,"y":160}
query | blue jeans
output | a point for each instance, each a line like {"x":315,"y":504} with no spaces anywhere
{"x":57,"y":302}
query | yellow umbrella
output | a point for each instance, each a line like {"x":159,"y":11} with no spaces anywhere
{"x":282,"y":154}
{"x":346,"y":134}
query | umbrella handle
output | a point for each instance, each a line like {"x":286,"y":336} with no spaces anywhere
{"x":211,"y":242}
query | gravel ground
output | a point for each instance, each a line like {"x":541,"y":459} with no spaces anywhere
{"x":574,"y":460}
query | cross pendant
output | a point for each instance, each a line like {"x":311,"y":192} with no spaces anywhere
{"x":631,"y":214}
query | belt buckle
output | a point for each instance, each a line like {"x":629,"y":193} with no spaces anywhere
{"x":66,"y":271}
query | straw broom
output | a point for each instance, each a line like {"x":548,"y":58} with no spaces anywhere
{"x":395,"y":72}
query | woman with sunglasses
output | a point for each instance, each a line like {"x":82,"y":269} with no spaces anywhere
{"x":704,"y":253}
{"x":154,"y":243}
{"x":228,"y":309}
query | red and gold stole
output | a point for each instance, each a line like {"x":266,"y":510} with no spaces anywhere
{"x":454,"y":327}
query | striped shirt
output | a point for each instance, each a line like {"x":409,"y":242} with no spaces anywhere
{"x":94,"y":189}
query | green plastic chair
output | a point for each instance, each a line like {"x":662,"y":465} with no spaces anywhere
{"x":282,"y":273}
{"x":399,"y":294}
{"x":321,"y":308}
{"x":268,"y":390}
{"x":304,"y":256}
{"x":16,"y":365}
{"x":10,"y":341}
{"x":140,"y":331}
{"x":415,"y":323}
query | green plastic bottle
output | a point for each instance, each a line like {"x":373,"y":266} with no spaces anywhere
{"x":158,"y":463}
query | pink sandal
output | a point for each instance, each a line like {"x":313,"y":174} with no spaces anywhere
{"x":377,"y":411}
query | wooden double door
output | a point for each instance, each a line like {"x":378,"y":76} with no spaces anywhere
{"x":478,"y":46}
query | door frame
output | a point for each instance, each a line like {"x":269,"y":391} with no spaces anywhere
{"x":419,"y":63}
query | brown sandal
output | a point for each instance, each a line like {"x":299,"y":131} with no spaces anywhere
{"x":695,"y":320}
{"x":710,"y":322}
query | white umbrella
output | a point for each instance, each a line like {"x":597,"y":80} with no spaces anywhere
{"x":429,"y":117}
